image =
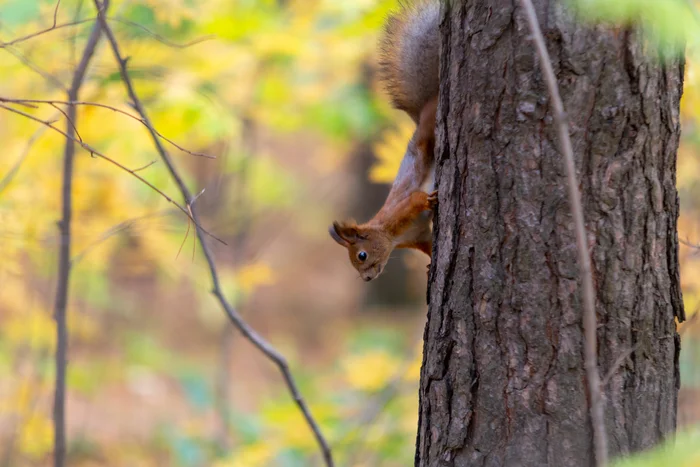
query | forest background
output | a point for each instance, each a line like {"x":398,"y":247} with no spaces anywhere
{"x":285,"y":95}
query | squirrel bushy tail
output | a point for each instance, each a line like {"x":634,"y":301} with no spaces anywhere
{"x":409,"y":64}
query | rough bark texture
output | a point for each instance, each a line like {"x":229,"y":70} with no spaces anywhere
{"x":503,"y":380}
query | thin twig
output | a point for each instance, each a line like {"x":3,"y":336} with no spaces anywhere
{"x":26,"y":104}
{"x":69,"y":120}
{"x":690,"y":321}
{"x":145,"y":166}
{"x":94,"y":152}
{"x":107,"y":234}
{"x":187,"y":234}
{"x":44,"y":31}
{"x":196,"y":197}
{"x":160,"y":38}
{"x":236,"y":319}
{"x":74,"y":37}
{"x":600,"y":440}
{"x":618,"y":362}
{"x":7,"y":179}
{"x":53,"y":103}
{"x":64,"y":264}
{"x":687,"y":243}
{"x":126,"y":22}
{"x":240,"y":204}
{"x":356,"y":438}
{"x":55,"y":13}
{"x":37,"y":69}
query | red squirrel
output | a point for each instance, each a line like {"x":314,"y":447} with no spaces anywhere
{"x":409,"y":68}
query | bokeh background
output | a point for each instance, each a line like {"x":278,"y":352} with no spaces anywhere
{"x":285,"y":94}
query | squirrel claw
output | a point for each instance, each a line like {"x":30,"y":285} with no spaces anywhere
{"x":433,"y":199}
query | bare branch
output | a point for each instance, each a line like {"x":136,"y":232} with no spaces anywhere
{"x":618,"y":362}
{"x":64,"y":264}
{"x":126,"y":22}
{"x":194,"y":199}
{"x":74,"y":37}
{"x":160,"y":38}
{"x":26,"y":104}
{"x":687,"y":243}
{"x":691,"y":321}
{"x":69,"y":121}
{"x":44,"y":31}
{"x":104,"y":106}
{"x":55,"y":13}
{"x":145,"y":166}
{"x":233,"y":315}
{"x":107,"y":234}
{"x":355,"y":439}
{"x":7,"y":179}
{"x":600,"y":440}
{"x":38,"y":70}
{"x":187,"y":234}
{"x":94,"y":152}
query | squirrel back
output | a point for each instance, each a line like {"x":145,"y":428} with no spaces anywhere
{"x":409,"y":64}
{"x":410,"y":69}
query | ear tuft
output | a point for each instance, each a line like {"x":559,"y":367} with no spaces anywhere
{"x":343,"y":234}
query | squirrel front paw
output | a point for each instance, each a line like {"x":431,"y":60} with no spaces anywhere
{"x":433,"y":200}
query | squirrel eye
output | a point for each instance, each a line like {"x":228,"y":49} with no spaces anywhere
{"x":362,"y":256}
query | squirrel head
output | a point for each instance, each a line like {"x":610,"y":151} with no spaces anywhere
{"x":368,"y":248}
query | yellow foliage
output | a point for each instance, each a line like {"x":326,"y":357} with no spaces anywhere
{"x":34,"y":328}
{"x":253,"y":455}
{"x":36,"y":436}
{"x":413,"y":372}
{"x":688,"y":166}
{"x":287,"y":420}
{"x":370,"y":371}
{"x":254,"y":275}
{"x":390,"y":151}
{"x":690,"y":101}
{"x":20,"y":398}
{"x":173,"y":12}
{"x":82,"y":326}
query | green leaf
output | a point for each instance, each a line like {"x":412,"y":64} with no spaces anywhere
{"x":85,"y":378}
{"x":683,"y":449}
{"x":668,"y":23}
{"x":248,"y":427}
{"x":18,"y":12}
{"x":187,"y":451}
{"x":143,"y":15}
{"x":291,"y":457}
{"x":197,"y":391}
{"x":377,"y":338}
{"x":94,"y":289}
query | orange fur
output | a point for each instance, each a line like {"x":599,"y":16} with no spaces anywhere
{"x":409,"y":68}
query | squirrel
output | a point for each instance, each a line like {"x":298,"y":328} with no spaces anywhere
{"x":409,"y":67}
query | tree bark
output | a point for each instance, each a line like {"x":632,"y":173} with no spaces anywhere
{"x":503,"y":380}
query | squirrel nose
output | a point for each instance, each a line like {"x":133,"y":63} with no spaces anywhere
{"x":367,"y":278}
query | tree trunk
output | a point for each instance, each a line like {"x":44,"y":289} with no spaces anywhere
{"x":503,"y":380}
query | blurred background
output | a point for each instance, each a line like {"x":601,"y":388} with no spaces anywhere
{"x":285,"y":94}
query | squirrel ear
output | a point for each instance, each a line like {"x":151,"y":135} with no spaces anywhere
{"x":344,"y":235}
